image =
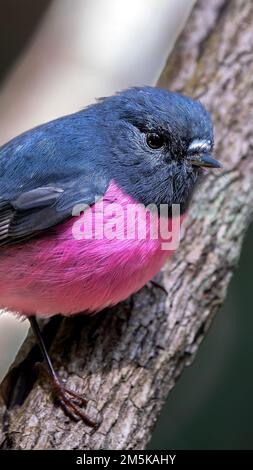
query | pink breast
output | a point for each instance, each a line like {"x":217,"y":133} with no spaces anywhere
{"x":62,"y":273}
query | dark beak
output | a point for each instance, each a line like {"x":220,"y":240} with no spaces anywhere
{"x":204,"y":160}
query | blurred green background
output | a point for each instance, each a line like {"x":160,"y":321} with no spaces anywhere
{"x":211,"y":405}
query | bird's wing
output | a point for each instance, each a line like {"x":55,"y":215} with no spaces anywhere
{"x":41,"y":182}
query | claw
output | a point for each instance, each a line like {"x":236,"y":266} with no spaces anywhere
{"x":159,"y":286}
{"x":69,"y":402}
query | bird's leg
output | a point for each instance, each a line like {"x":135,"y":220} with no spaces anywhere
{"x":71,"y":402}
{"x":159,"y":286}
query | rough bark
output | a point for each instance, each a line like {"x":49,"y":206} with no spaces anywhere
{"x":127,"y":359}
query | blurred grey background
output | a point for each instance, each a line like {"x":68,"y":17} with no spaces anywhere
{"x":56,"y":59}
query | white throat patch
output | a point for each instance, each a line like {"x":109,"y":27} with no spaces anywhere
{"x":198,"y":145}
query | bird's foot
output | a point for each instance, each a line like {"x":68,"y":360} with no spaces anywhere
{"x":73,"y":404}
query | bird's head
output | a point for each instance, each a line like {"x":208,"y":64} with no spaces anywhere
{"x":159,"y":143}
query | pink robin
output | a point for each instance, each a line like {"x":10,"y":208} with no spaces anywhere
{"x":65,"y":192}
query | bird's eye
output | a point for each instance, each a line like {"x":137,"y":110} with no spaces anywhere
{"x":154,"y":140}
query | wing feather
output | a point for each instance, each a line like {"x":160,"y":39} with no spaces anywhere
{"x":44,"y":173}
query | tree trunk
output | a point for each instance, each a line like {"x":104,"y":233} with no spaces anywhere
{"x":128,"y":358}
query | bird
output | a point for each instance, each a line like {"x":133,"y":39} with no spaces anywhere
{"x":141,"y":147}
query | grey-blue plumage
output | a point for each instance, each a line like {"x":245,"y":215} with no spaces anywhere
{"x":48,"y":170}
